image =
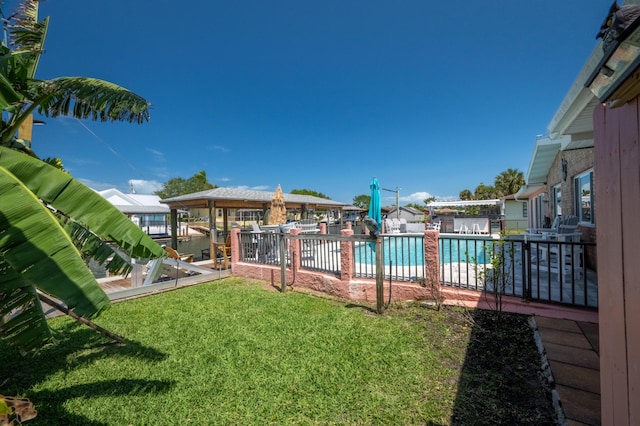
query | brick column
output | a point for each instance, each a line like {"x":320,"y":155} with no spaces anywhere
{"x":235,"y":246}
{"x":431,"y":258}
{"x":323,"y":228}
{"x":346,"y":256}
{"x":294,"y":249}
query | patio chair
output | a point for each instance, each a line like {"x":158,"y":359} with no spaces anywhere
{"x":538,"y":231}
{"x":559,"y":257}
{"x":173,"y":254}
{"x":433,"y":226}
{"x":223,"y":253}
{"x":308,"y":226}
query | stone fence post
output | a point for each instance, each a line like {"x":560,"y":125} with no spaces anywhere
{"x":346,"y":256}
{"x":294,"y":249}
{"x":432,"y":259}
{"x":235,"y":246}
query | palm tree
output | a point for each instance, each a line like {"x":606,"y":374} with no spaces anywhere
{"x":50,"y":222}
{"x":509,"y":182}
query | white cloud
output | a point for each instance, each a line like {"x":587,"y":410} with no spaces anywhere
{"x":416,"y":197}
{"x":158,"y":155}
{"x":142,"y":186}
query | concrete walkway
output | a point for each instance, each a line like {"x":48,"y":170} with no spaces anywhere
{"x":572,"y":350}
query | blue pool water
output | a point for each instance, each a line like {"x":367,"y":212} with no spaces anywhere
{"x":410,"y":251}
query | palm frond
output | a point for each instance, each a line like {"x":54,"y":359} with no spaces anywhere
{"x":26,"y":33}
{"x":84,"y":97}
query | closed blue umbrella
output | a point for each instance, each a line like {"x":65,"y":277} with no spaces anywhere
{"x":375,"y":210}
{"x":374,"y":218}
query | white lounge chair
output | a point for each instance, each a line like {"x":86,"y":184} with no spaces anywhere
{"x":392,"y":226}
{"x":433,"y":226}
{"x":559,"y":257}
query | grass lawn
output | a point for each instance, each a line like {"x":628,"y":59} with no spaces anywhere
{"x":237,"y":352}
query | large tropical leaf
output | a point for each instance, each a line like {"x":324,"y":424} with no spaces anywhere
{"x":80,"y":203}
{"x":93,"y":247}
{"x":36,"y":253}
{"x":8,"y":95}
{"x":84,"y":97}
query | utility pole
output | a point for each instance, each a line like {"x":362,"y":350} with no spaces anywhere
{"x":397,"y":191}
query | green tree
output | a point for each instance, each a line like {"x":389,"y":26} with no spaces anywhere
{"x":485,"y":192}
{"x":509,"y":182}
{"x":310,"y":192}
{"x":416,"y":206}
{"x":466,"y":195}
{"x":175,"y":187}
{"x":362,"y":201}
{"x":49,"y":220}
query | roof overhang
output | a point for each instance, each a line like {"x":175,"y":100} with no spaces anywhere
{"x":529,"y":191}
{"x":236,"y":198}
{"x":575,"y":113}
{"x":544,"y":152}
{"x":143,"y":210}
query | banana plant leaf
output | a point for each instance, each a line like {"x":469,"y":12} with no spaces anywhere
{"x":82,"y":204}
{"x":36,"y":253}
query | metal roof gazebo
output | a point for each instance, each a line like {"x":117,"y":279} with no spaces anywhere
{"x":235,"y":198}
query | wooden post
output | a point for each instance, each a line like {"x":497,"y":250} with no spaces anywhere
{"x":379,"y":276}
{"x":174,"y":229}
{"x":84,"y":321}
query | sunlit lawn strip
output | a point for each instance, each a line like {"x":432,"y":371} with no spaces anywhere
{"x":231,"y":352}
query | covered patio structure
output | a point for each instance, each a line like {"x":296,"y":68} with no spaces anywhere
{"x":236,"y":198}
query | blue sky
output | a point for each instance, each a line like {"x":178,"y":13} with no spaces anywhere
{"x":430,"y":97}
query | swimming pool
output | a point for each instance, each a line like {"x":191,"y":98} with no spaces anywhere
{"x":407,"y":251}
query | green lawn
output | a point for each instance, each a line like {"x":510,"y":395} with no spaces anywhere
{"x":234,"y":352}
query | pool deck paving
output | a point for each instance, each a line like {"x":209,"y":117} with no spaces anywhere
{"x":572,"y":349}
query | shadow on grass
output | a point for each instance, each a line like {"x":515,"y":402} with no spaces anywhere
{"x":500,"y":380}
{"x":363,"y":307}
{"x":53,"y":411}
{"x":75,"y":346}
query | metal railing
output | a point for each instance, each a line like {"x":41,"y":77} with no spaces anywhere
{"x":319,"y":252}
{"x":542,"y":270}
{"x":403,"y":256}
{"x":262,"y":247}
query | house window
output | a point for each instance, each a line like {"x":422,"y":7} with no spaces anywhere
{"x":584,"y":196}
{"x":525,"y":210}
{"x":557,"y":200}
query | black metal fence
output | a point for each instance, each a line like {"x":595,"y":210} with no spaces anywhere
{"x":539,"y":270}
{"x":402,"y":254}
